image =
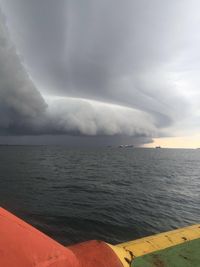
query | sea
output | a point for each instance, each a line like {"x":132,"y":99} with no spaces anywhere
{"x":110,"y":194}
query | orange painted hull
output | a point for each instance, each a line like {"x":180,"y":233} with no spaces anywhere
{"x":21,"y":245}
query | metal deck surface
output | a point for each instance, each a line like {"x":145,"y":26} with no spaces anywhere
{"x":183,"y":255}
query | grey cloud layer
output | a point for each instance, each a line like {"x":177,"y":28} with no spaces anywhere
{"x":116,"y":51}
{"x":24,"y":111}
{"x":140,"y":54}
{"x":96,"y":118}
{"x":19,"y":100}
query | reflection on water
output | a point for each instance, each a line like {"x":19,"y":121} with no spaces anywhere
{"x":110,"y":194}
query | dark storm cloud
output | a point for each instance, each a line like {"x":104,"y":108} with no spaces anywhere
{"x":19,"y":99}
{"x":24,"y":111}
{"x":112,"y":51}
{"x":74,"y":141}
{"x":97,"y":118}
{"x":141,"y":55}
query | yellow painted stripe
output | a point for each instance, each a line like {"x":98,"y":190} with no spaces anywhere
{"x":127,"y":251}
{"x":124,"y":256}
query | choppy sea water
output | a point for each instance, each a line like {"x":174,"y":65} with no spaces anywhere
{"x":110,"y":194}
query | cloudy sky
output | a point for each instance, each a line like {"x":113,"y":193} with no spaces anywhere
{"x":100,"y":72}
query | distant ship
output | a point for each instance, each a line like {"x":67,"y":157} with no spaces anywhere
{"x":126,"y":146}
{"x":158,"y":147}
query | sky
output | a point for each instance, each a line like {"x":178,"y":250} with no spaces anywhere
{"x":100,"y":72}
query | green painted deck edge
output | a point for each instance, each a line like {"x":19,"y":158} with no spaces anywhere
{"x":184,"y":255}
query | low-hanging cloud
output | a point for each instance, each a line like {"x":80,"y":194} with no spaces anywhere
{"x":118,"y":67}
{"x":23,"y":110}
{"x":95,"y":118}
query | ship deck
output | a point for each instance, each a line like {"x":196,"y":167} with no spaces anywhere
{"x":182,"y":255}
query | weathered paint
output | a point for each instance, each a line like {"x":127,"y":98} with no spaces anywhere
{"x":95,"y":254}
{"x":184,"y":255}
{"x":22,"y":245}
{"x":124,"y":255}
{"x":130,"y":250}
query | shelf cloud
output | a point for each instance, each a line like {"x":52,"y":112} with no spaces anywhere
{"x":102,"y":68}
{"x":25,"y":111}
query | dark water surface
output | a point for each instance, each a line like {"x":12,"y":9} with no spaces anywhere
{"x":109,"y":194}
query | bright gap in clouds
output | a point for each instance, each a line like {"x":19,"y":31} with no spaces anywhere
{"x":176,"y":142}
